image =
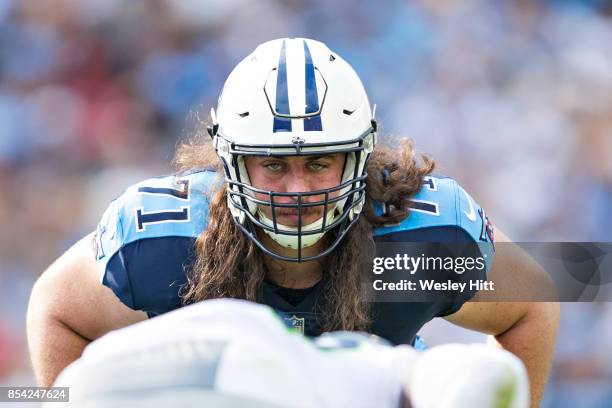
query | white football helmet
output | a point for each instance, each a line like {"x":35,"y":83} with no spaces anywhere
{"x":294,"y":97}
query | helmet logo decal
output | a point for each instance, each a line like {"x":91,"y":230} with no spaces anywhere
{"x":312,"y":97}
{"x":298,"y":140}
{"x":282,"y":95}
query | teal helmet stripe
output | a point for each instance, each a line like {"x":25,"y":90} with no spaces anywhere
{"x":312,"y":96}
{"x":282,"y":94}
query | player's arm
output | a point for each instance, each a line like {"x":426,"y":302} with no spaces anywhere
{"x":527,"y":329}
{"x":68,"y":309}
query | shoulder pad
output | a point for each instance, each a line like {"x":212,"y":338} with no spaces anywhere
{"x":443,"y":206}
{"x":153,"y":221}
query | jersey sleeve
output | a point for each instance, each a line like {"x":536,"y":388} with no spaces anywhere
{"x":442,"y":212}
{"x":145,"y":239}
{"x":473,"y":219}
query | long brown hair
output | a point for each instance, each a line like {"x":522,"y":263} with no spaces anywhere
{"x":229,"y":264}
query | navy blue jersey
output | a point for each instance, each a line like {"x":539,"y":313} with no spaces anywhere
{"x":145,"y":248}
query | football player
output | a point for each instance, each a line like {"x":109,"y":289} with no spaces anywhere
{"x":233,"y":353}
{"x":282,"y":201}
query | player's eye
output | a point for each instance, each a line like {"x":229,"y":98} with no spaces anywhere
{"x":274,"y":166}
{"x":317,"y":166}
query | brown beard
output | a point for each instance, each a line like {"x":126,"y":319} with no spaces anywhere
{"x":229,"y":264}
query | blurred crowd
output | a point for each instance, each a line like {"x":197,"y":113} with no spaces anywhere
{"x":512,"y":98}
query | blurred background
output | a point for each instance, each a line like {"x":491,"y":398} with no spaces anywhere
{"x":512,"y":98}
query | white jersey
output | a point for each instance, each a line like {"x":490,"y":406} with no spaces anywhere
{"x":237,"y":353}
{"x":258,"y":357}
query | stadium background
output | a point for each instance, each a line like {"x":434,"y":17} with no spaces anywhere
{"x":512,"y":98}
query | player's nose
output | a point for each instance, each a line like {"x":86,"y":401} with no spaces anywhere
{"x":296,"y":179}
{"x":297,"y":183}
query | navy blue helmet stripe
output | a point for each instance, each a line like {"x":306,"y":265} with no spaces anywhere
{"x":282,"y":95}
{"x":312,"y":97}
